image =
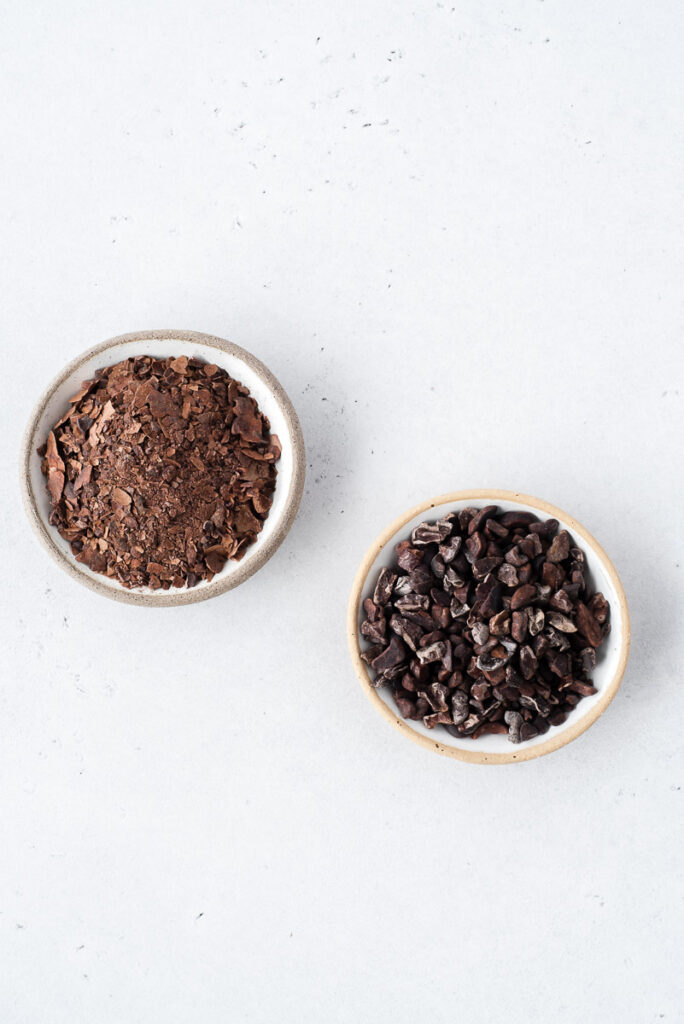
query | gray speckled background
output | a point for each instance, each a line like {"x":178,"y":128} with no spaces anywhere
{"x":455,"y":234}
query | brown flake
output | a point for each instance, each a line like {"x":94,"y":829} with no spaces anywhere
{"x":121,"y":497}
{"x":83,"y":476}
{"x":248,"y":423}
{"x":150,"y":479}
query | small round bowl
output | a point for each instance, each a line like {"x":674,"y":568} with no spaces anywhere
{"x":241,"y":365}
{"x":496,"y":749}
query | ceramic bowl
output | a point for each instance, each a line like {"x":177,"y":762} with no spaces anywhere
{"x":496,"y":749}
{"x":239,"y":364}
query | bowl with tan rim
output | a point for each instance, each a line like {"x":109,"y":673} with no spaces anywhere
{"x":495,"y":749}
{"x":241,"y":365}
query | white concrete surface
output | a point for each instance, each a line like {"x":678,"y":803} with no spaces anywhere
{"x":455,"y":231}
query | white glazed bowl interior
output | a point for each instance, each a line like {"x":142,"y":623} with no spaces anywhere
{"x":260,"y":388}
{"x":608,"y":655}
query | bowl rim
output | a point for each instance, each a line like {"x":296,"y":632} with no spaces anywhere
{"x":219,"y":585}
{"x":518,"y":754}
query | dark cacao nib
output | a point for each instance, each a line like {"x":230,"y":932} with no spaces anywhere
{"x":483,"y":624}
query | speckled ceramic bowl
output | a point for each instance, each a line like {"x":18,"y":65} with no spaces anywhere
{"x":495,"y":749}
{"x":239,"y":364}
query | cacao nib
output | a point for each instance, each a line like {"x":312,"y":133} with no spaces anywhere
{"x":483,"y":624}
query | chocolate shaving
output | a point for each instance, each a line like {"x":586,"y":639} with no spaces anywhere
{"x":160,"y":471}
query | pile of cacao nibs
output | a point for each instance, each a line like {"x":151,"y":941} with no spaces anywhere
{"x":485,"y":624}
{"x":160,"y":471}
